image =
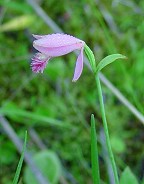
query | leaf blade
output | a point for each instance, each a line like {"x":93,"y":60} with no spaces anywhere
{"x":39,"y":119}
{"x":128,"y":177}
{"x":109,"y":59}
{"x":18,"y":170}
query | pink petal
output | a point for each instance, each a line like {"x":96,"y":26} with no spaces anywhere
{"x":56,"y":40}
{"x":58,"y":51}
{"x":78,"y":67}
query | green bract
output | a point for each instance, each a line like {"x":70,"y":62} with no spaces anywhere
{"x":91,"y":57}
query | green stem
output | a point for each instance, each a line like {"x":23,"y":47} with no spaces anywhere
{"x":106,"y":129}
{"x":94,"y":153}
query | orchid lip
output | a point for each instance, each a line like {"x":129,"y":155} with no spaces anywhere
{"x":39,"y":62}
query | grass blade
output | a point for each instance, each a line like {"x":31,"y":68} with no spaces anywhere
{"x":94,"y":153}
{"x":41,"y":119}
{"x":18,"y":170}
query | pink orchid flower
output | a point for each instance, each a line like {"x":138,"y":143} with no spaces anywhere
{"x":55,"y":45}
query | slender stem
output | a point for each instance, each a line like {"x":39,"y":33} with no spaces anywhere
{"x":106,"y":129}
{"x":94,"y":153}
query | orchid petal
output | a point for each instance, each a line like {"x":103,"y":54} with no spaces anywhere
{"x":58,"y":51}
{"x":56,"y":40}
{"x":78,"y":67}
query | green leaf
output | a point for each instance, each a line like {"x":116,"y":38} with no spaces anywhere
{"x":49,"y":164}
{"x":39,"y":119}
{"x":128,"y":177}
{"x":94,"y":153}
{"x":109,"y":59}
{"x":18,"y":23}
{"x":16,"y":177}
{"x":21,"y":7}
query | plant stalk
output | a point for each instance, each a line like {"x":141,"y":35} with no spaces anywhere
{"x":106,"y":129}
{"x":94,"y":153}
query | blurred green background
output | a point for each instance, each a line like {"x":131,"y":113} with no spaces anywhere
{"x":56,"y":111}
